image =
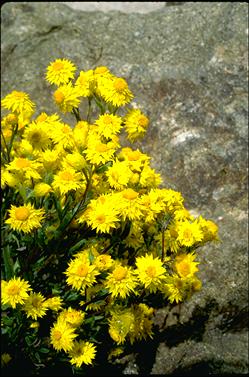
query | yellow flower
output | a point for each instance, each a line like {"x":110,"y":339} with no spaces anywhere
{"x":15,"y":291}
{"x":62,"y":336}
{"x":174,"y":288}
{"x":67,"y":98}
{"x":136,"y":124}
{"x":119,"y":175}
{"x":25,"y":218}
{"x":209,"y":229}
{"x":37,"y":136}
{"x":25,"y":168}
{"x":103,"y":262}
{"x":8,"y":179}
{"x":82,"y":353}
{"x":72,"y":317}
{"x":189,"y":233}
{"x":35,"y":306}
{"x":63,"y":135}
{"x":67,"y":180}
{"x":42,"y":189}
{"x":80,"y":133}
{"x":54,"y":303}
{"x":84,"y":83}
{"x":50,"y":159}
{"x":114,"y":90}
{"x":60,"y":71}
{"x":80,"y":274}
{"x":74,"y":160}
{"x":150,"y":272}
{"x":97,"y":151}
{"x":120,"y":324}
{"x":121,"y":282}
{"x":18,"y":102}
{"x":108,"y":125}
{"x":135,"y":158}
{"x":5,"y":359}
{"x":185,"y":265}
{"x":130,"y":207}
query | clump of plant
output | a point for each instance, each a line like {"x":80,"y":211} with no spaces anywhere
{"x":89,"y":236}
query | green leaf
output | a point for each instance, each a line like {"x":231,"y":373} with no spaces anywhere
{"x":77,"y":246}
{"x":44,"y":350}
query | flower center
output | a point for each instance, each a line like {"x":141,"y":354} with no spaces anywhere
{"x":130,"y":194}
{"x":11,"y":118}
{"x":36,"y":302}
{"x":119,"y":273}
{"x":143,"y":121}
{"x":101,"y":219}
{"x":183,"y":268}
{"x":59,"y":96}
{"x":82,"y":271}
{"x":22,"y":213}
{"x":57,"y":66}
{"x":22,"y":163}
{"x":107,"y":119}
{"x":13,"y":290}
{"x":120,"y":85}
{"x":20,"y":95}
{"x":151,"y":271}
{"x":57,"y":334}
{"x":187,"y":234}
{"x":36,"y":137}
{"x":101,"y":148}
{"x":66,"y":176}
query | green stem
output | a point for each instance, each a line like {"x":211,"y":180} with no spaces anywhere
{"x":8,"y":263}
{"x":76,"y":114}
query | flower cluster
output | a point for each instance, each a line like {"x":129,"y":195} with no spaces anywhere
{"x":89,"y":233}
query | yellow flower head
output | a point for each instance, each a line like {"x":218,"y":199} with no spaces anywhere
{"x":35,"y":306}
{"x":37,"y":136}
{"x":103,"y":262}
{"x":25,"y":218}
{"x":60,"y":71}
{"x":67,"y":97}
{"x":67,"y":180}
{"x":72,"y":317}
{"x":118,"y":175}
{"x":18,"y":102}
{"x":150,"y":272}
{"x":54,"y":303}
{"x":114,"y":90}
{"x":108,"y":125}
{"x":189,"y":233}
{"x":15,"y":291}
{"x":120,"y":324}
{"x":74,"y":160}
{"x":25,"y":168}
{"x":62,"y":336}
{"x":80,"y":273}
{"x":130,"y":207}
{"x":82,"y":353}
{"x":121,"y":282}
{"x":5,"y":359}
{"x":185,"y":265}
{"x":84,"y":83}
{"x":99,"y":152}
{"x":209,"y":229}
{"x":136,"y":124}
{"x":42,"y":189}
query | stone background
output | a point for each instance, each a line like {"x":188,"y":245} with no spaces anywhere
{"x":187,"y":65}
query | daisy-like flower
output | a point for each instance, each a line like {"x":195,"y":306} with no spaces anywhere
{"x":82,"y":353}
{"x":67,"y":97}
{"x":62,"y":336}
{"x":80,"y":133}
{"x":120,"y":324}
{"x":74,"y":160}
{"x":103,"y":262}
{"x":72,"y":317}
{"x":50,"y":159}
{"x":67,"y":180}
{"x":109,"y":125}
{"x":119,"y":175}
{"x":101,"y":214}
{"x":130,"y":207}
{"x":25,"y":168}
{"x":209,"y":229}
{"x":60,"y":71}
{"x":84,"y":83}
{"x":135,"y":158}
{"x":189,"y":233}
{"x":148,"y":177}
{"x":37,"y":136}
{"x":136,"y":124}
{"x":18,"y":102}
{"x":150,"y":272}
{"x":15,"y":291}
{"x":98,"y":152}
{"x":63,"y":135}
{"x":174,"y":288}
{"x":80,"y":274}
{"x":121,"y":282}
{"x":115,"y":90}
{"x":35,"y":306}
{"x":25,"y":218}
{"x":8,"y":179}
{"x":185,"y":265}
{"x":54,"y":303}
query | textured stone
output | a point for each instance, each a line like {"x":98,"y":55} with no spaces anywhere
{"x":187,"y":66}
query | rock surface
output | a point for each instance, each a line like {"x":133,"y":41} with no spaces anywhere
{"x":187,"y":66}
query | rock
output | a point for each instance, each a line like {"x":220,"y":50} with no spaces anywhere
{"x":187,"y":67}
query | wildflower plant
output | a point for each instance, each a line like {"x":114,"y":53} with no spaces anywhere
{"x":91,"y":240}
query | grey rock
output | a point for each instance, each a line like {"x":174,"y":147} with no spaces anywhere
{"x":187,"y":67}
